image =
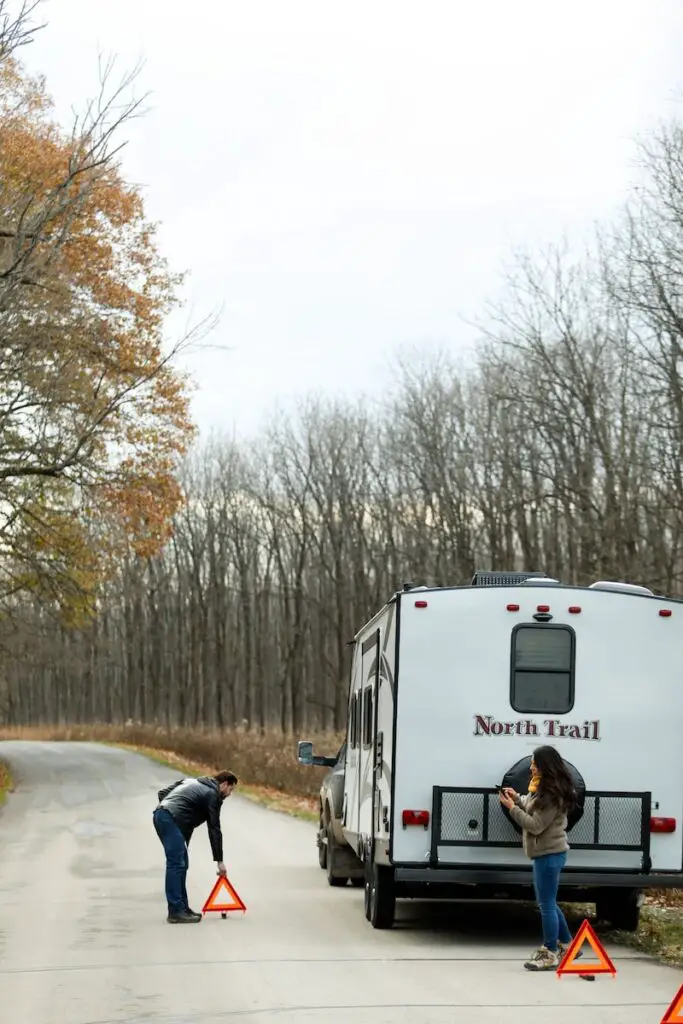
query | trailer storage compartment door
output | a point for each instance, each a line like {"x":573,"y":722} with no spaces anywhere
{"x":469,"y":827}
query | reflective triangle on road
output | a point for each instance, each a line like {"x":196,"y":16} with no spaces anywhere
{"x":674,"y":1015}
{"x":569,"y":964}
{"x":217,"y":898}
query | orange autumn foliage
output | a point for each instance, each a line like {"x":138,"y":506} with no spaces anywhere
{"x":94,"y":415}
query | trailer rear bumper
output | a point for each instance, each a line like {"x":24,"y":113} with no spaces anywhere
{"x":501,"y":877}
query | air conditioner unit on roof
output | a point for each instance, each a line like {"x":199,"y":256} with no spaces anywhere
{"x":621,"y":588}
{"x":503,"y":579}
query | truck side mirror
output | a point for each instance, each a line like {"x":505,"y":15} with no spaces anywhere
{"x":304,"y":752}
{"x":304,"y":755}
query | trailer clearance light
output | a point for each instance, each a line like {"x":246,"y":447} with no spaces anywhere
{"x":665,"y":613}
{"x":420,"y":604}
{"x":574,"y":609}
{"x":542,"y":607}
{"x":662,"y":824}
{"x":513,"y":607}
{"x":416,"y":818}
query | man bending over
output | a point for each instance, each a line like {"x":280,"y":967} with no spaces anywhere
{"x":182,"y":807}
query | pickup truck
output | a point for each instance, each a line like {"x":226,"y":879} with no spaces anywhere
{"x":334,"y":853}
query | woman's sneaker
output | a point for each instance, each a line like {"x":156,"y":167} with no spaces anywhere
{"x":542,"y":959}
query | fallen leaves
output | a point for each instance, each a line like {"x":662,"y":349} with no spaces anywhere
{"x":665,"y":898}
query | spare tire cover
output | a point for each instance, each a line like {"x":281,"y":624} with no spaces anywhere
{"x":519,"y":776}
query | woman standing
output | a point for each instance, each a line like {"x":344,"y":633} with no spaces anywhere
{"x":542,"y":816}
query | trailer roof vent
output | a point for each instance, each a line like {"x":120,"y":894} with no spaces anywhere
{"x":503,"y":579}
{"x":621,"y":588}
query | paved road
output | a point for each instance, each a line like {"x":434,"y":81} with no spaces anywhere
{"x":84,"y":939}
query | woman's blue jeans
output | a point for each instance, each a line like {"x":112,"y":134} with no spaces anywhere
{"x":546,"y":871}
{"x":177,"y":860}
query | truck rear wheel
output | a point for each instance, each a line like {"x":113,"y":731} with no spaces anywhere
{"x":620,"y":908}
{"x":380,"y":896}
{"x":332,"y":858}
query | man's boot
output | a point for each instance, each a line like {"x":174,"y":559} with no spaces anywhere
{"x":183,"y":917}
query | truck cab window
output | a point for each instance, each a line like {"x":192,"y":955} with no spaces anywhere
{"x":542,"y":669}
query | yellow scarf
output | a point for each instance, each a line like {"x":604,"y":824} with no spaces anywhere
{"x":534,"y":784}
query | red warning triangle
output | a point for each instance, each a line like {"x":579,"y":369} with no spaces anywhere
{"x":221,"y":889}
{"x":569,"y":964}
{"x":674,"y":1015}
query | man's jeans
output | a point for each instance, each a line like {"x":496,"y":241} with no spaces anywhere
{"x":177,"y":860}
{"x":547,"y":871}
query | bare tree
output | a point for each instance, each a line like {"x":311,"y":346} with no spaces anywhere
{"x":559,"y":447}
{"x":16,"y":27}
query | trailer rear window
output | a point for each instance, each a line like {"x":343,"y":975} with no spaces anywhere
{"x":542,"y":673}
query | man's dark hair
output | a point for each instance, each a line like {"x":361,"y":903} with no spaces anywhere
{"x":226,"y":776}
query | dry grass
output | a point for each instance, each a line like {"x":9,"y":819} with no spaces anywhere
{"x":265,"y":764}
{"x":661,"y":927}
{"x":5,"y":782}
{"x":660,"y":934}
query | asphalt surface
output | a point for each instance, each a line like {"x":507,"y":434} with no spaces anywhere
{"x":84,"y":938}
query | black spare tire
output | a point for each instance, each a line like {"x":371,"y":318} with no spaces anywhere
{"x":519,"y":776}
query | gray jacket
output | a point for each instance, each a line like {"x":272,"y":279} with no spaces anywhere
{"x":191,"y":802}
{"x":544,"y":830}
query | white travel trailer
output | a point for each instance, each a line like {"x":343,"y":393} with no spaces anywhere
{"x":452,"y":688}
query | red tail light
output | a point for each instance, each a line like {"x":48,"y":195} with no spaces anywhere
{"x":543,"y":608}
{"x":662,"y":824}
{"x":513,"y":607}
{"x":420,"y":604}
{"x":416,"y":818}
{"x":665,"y":613}
{"x":574,"y":609}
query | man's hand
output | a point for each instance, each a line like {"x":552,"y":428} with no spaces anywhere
{"x":221,"y":869}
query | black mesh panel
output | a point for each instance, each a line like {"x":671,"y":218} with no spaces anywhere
{"x":475,"y":817}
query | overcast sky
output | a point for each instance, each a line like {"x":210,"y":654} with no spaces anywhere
{"x":345,"y":179}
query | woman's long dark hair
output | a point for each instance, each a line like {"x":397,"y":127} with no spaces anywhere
{"x":556,"y":785}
